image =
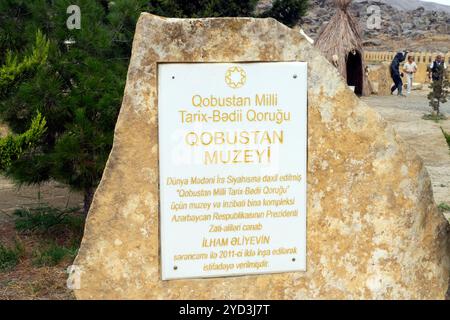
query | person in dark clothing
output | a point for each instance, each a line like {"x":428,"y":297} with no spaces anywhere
{"x":395,"y":72}
{"x":435,"y":67}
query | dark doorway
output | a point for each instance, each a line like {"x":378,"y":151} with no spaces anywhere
{"x":355,"y":71}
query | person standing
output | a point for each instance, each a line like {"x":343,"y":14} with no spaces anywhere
{"x":434,"y":68}
{"x":409,"y":68}
{"x":395,"y":72}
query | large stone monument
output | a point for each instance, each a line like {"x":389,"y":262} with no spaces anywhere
{"x":372,"y":228}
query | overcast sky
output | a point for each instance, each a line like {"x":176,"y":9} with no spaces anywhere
{"x":447,"y":2}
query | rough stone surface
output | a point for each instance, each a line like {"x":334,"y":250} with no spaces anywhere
{"x":373,"y":229}
{"x":380,"y":79}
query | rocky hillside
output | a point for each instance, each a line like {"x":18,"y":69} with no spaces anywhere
{"x":414,"y":4}
{"x":419,"y":29}
{"x":412,"y":29}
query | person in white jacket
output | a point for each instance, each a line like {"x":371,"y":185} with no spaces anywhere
{"x":409,"y":68}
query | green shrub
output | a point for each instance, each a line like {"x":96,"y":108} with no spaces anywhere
{"x":434,"y":117}
{"x":202,"y":8}
{"x":10,"y":257}
{"x":53,"y":254}
{"x":288,"y":12}
{"x":444,"y":207}
{"x":446,"y":136}
{"x":44,"y":218}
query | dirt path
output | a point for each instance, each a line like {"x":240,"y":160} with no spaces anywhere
{"x":425,"y":136}
{"x":13,"y":197}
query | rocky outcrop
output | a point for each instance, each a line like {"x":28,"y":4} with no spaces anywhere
{"x":373,"y":229}
{"x":380,"y":79}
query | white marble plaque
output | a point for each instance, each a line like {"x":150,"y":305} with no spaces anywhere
{"x":233,"y":158}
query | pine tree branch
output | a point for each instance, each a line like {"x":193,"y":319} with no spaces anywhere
{"x":13,"y":146}
{"x":12,"y":70}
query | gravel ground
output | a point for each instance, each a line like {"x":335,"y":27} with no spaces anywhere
{"x":27,"y":280}
{"x":425,"y":136}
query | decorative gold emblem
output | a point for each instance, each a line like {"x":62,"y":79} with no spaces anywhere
{"x":235,"y":77}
